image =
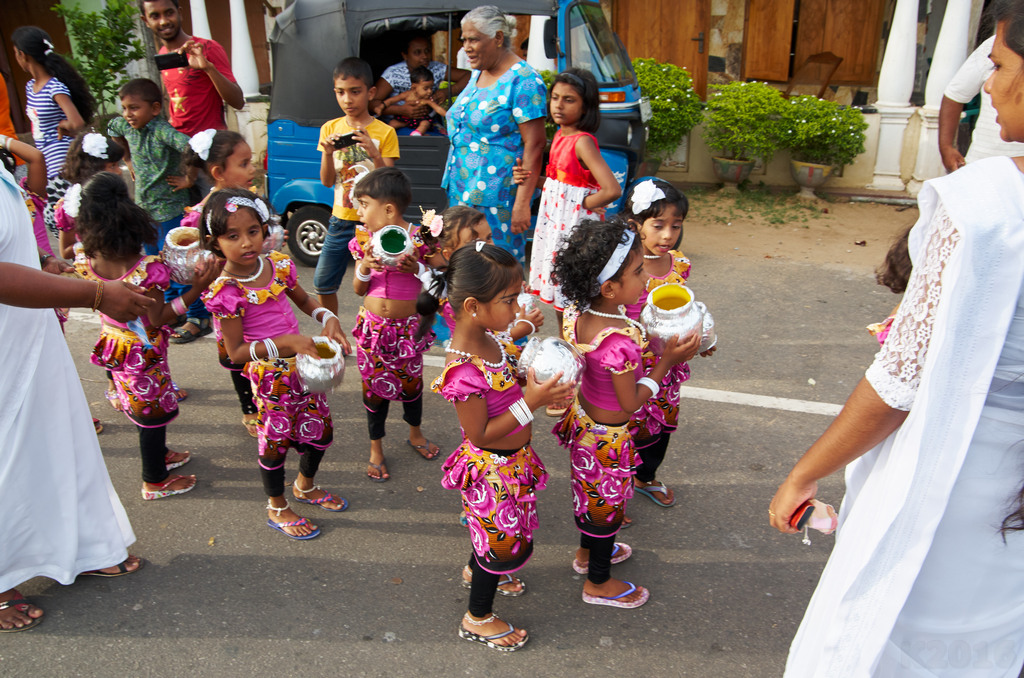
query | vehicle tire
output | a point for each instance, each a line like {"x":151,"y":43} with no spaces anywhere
{"x":307,"y":228}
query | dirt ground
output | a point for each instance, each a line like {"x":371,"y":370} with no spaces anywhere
{"x":836,"y":234}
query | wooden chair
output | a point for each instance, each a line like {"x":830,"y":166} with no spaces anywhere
{"x":817,"y":70}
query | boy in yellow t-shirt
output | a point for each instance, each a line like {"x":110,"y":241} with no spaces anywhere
{"x":351,"y":146}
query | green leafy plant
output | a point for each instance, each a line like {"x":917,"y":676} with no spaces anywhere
{"x":675,"y":106}
{"x":104,"y":45}
{"x":744,"y":120}
{"x":822,"y":132}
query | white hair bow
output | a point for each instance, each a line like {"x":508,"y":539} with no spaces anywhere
{"x":95,"y":145}
{"x":201,"y":143}
{"x":645,"y":194}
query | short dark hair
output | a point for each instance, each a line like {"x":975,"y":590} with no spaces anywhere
{"x":142,"y":5}
{"x":354,"y":67}
{"x":143,"y":88}
{"x":586,"y":86}
{"x":585,"y":253}
{"x":386,"y":184}
{"x":421,"y":74}
{"x":482,"y":273}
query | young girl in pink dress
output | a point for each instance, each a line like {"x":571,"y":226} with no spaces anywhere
{"x":89,"y":154}
{"x":600,"y":270}
{"x":252,"y":301}
{"x":579,"y":183}
{"x":113,"y":230}
{"x":495,"y":467}
{"x":656,"y":211}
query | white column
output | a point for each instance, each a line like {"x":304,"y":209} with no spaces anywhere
{"x":950,"y":52}
{"x":895,"y":85}
{"x":243,"y":63}
{"x":200,"y":24}
{"x":535,"y":54}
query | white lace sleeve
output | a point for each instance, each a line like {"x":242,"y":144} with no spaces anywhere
{"x":896,"y":372}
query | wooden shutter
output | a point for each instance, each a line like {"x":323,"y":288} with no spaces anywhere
{"x":848,"y":29}
{"x":767,"y":39}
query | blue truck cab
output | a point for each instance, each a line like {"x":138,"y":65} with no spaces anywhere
{"x":311,"y":36}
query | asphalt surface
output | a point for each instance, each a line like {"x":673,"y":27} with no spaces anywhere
{"x":378,"y":594}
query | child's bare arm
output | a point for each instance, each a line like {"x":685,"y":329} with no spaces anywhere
{"x":332,"y":328}
{"x":590,"y":156}
{"x":327,"y":174}
{"x":438,"y":108}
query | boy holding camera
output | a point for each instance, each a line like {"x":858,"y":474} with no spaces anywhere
{"x":352,"y":145}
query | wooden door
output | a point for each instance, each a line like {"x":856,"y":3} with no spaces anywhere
{"x":667,"y":30}
{"x":851,"y":30}
{"x":767,"y":39}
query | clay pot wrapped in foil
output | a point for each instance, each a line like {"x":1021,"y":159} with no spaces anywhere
{"x":321,"y":375}
{"x":670,"y":311}
{"x":548,"y":357}
{"x":275,"y":235}
{"x":182,"y":252}
{"x":527,"y":302}
{"x":708,"y":337}
{"x":390,"y":244}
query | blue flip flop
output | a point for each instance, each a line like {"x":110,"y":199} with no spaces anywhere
{"x":328,"y":497}
{"x":292,"y":523}
{"x":615,"y":601}
{"x":649,"y":490}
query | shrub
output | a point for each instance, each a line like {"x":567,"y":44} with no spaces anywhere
{"x":675,"y":106}
{"x":823,"y":132}
{"x":744,"y":120}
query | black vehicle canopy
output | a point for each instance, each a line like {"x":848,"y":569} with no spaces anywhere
{"x":311,"y":36}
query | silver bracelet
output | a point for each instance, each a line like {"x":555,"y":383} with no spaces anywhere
{"x":651,"y":384}
{"x":272,"y":353}
{"x":360,"y":276}
{"x":521,"y":412}
{"x":533,"y":328}
{"x":327,"y":315}
{"x":252,"y":352}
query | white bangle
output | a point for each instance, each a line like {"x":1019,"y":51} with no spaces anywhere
{"x":651,"y":384}
{"x":327,"y":315}
{"x":521,"y":412}
{"x":272,"y":353}
{"x":533,"y":328}
{"x":252,"y":352}
{"x":178,"y":306}
{"x":360,"y":276}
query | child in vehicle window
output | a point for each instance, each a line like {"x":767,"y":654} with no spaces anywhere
{"x":421,"y":92}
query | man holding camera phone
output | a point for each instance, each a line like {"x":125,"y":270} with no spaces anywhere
{"x":198,"y":80}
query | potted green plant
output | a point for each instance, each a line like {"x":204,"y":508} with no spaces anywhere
{"x":675,"y":106}
{"x":821,"y":136}
{"x":743,"y":123}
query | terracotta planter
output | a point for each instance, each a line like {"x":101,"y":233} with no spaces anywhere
{"x":731,"y":171}
{"x":809,"y":176}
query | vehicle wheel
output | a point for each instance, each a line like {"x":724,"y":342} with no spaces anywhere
{"x":307,"y":229}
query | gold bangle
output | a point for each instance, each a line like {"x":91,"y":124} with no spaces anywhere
{"x":99,"y":295}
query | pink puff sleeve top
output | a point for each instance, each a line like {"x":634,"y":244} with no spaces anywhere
{"x":265,"y":311}
{"x":393,"y":285}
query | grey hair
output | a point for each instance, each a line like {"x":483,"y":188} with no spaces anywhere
{"x":488,"y":19}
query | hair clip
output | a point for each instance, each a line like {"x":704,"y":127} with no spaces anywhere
{"x":73,"y":200}
{"x":201,"y":143}
{"x":49,"y":47}
{"x":480,"y":245}
{"x":95,"y":144}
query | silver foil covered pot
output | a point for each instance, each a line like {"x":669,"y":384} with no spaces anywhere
{"x":275,"y":235}
{"x":670,"y":311}
{"x":390,"y":244}
{"x":322,"y":374}
{"x":708,"y":337}
{"x":182,"y":252}
{"x":548,"y":357}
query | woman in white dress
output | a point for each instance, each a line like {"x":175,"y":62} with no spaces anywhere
{"x":927,"y":574}
{"x":61,"y":516}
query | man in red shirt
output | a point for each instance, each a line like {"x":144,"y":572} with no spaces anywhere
{"x":196,"y":95}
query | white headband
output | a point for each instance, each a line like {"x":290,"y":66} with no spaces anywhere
{"x":645,"y":194}
{"x":201,"y":143}
{"x":95,"y":145}
{"x":233,"y":204}
{"x":616,"y":260}
{"x":73,"y":200}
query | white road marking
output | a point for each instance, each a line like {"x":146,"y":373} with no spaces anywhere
{"x":732,"y":397}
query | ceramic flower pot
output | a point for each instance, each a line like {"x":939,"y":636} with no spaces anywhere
{"x":322,"y":374}
{"x":809,"y":176}
{"x":182,"y":252}
{"x":548,"y":357}
{"x":670,"y":311}
{"x":390,"y":244}
{"x":730,"y":171}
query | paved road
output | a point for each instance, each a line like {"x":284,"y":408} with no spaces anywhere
{"x":378,"y":593}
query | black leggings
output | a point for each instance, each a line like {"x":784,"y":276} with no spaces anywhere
{"x":243,"y":389}
{"x":153,"y":446}
{"x":482,"y":589}
{"x":600,"y":556}
{"x":412,"y":413}
{"x":272,"y":468}
{"x":652,"y":456}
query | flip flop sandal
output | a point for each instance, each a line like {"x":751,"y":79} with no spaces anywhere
{"x":252,"y":426}
{"x":504,"y":580}
{"x":150,"y":495}
{"x":619,"y":553}
{"x":615,"y":601}
{"x":114,"y":399}
{"x":122,"y":570}
{"x":328,"y":497}
{"x":649,"y":490}
{"x":293,"y":523}
{"x":175,"y":464}
{"x":179,"y":393}
{"x":424,"y":450}
{"x":486,"y":640}
{"x":97,"y":425}
{"x":382,"y":470}
{"x":18,"y":602}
